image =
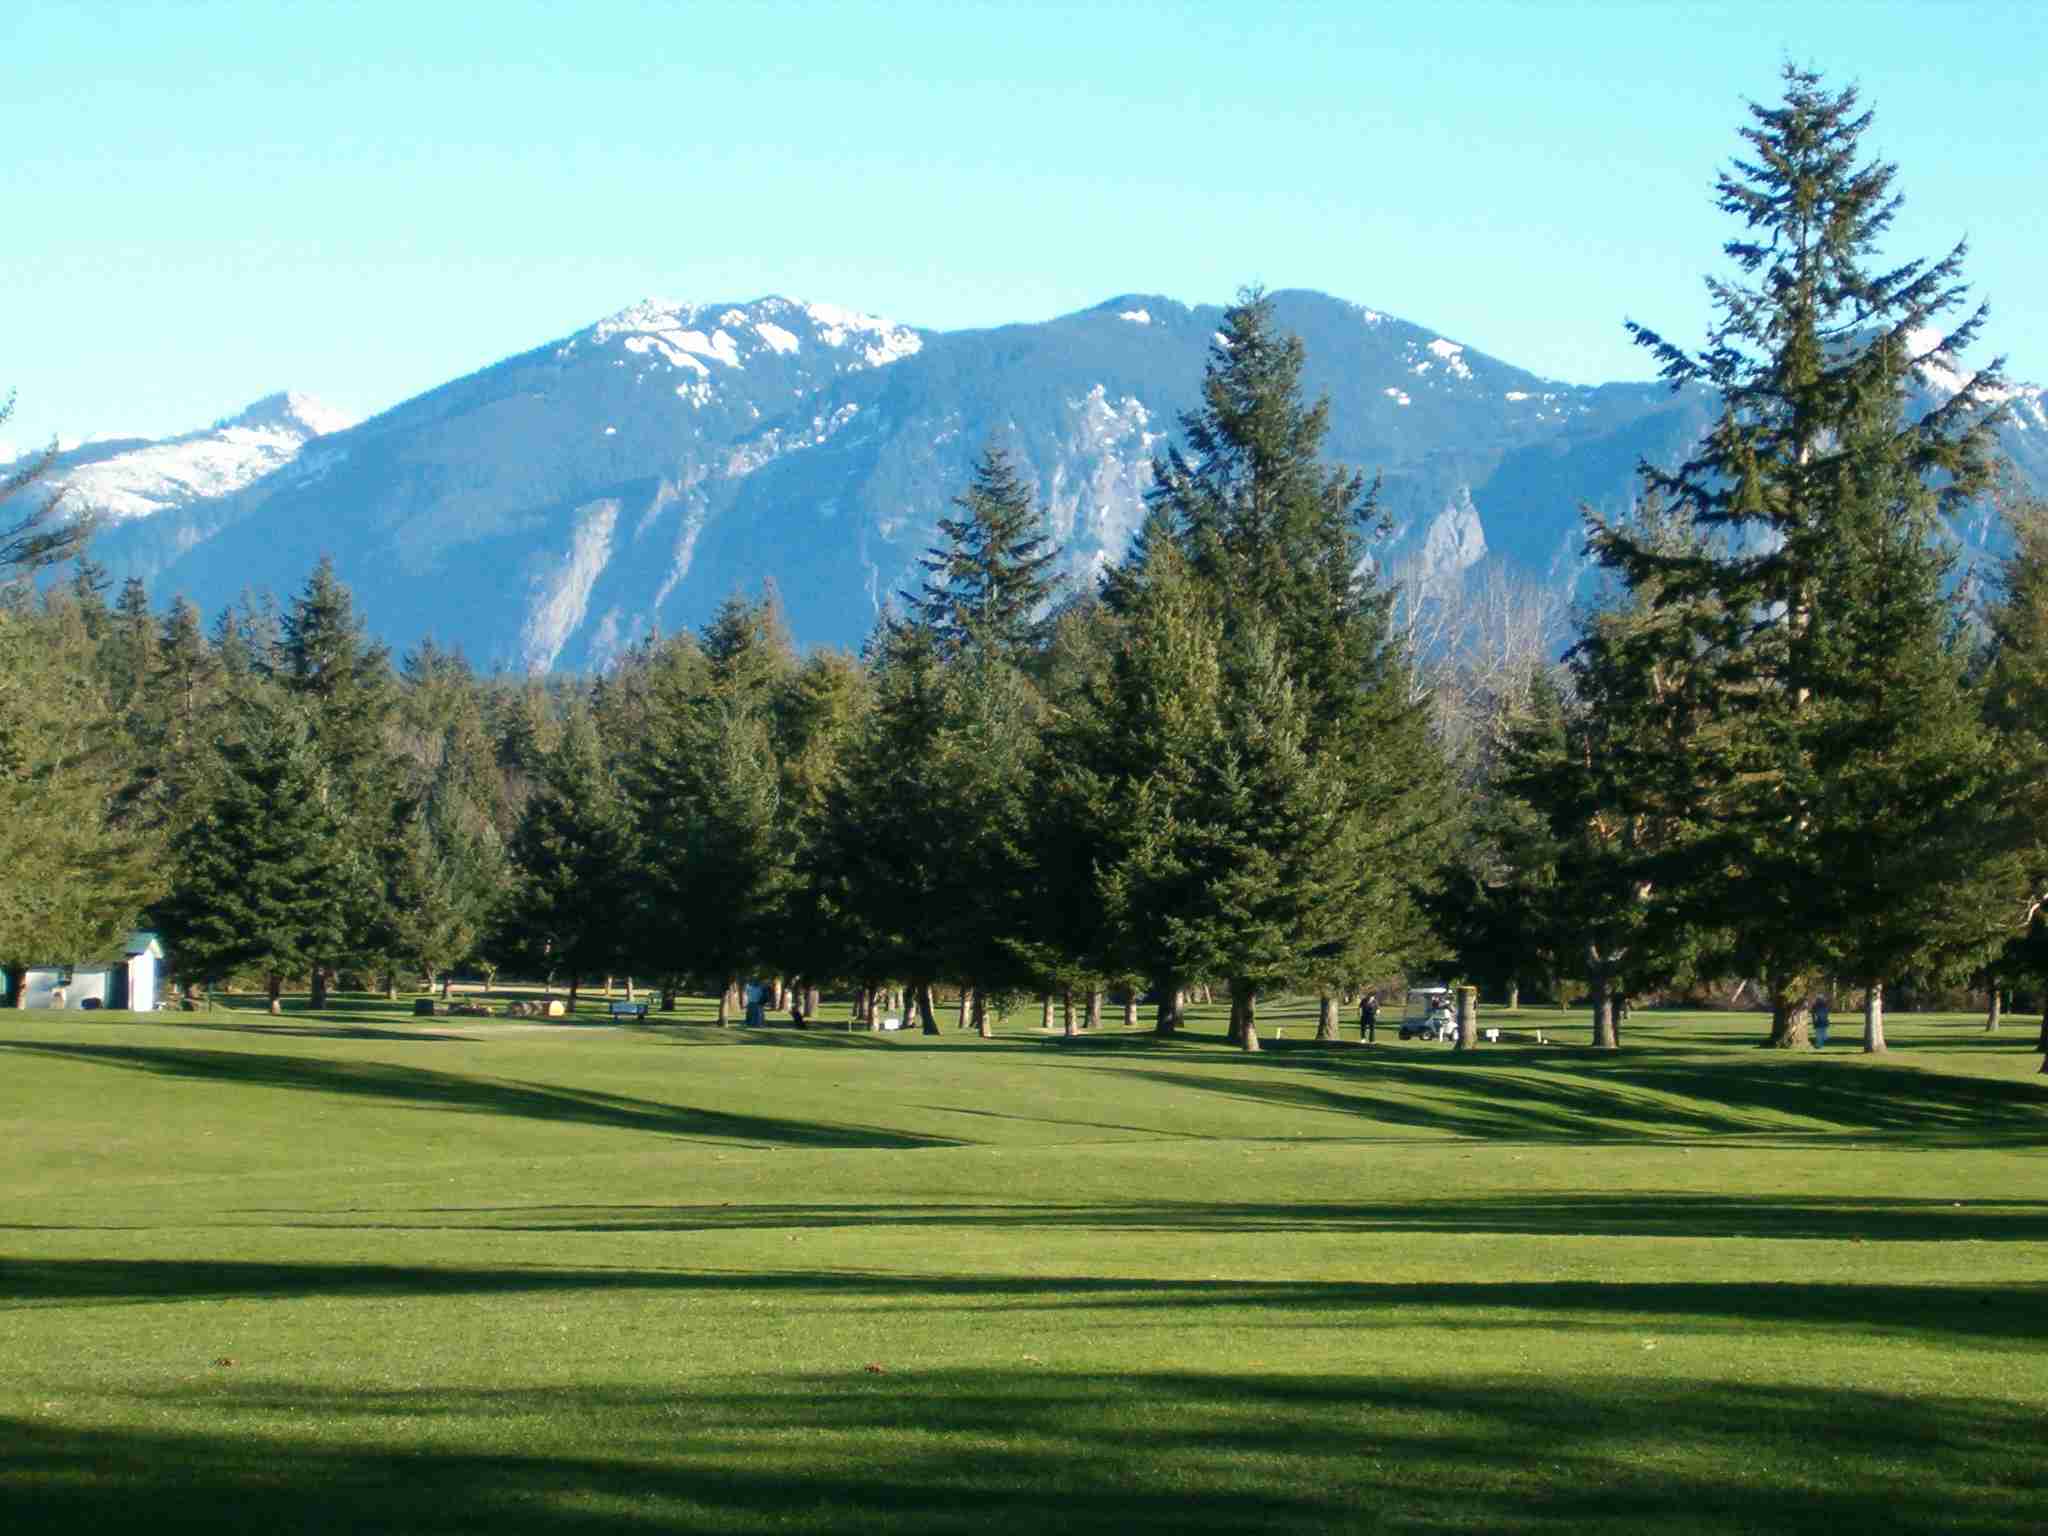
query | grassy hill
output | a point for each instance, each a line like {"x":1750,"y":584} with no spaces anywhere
{"x":355,"y":1271}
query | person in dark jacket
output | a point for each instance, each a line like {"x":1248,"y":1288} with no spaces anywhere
{"x":1368,"y":1016}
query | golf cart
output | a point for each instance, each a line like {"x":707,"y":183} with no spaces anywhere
{"x":1428,"y":1013}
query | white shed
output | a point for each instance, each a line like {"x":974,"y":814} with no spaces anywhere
{"x":127,"y":982}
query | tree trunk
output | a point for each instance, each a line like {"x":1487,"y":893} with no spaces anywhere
{"x":810,"y":1002}
{"x":1045,"y":1010}
{"x":274,"y":984}
{"x":983,"y":1024}
{"x":391,"y":986}
{"x":1994,"y":1009}
{"x":668,"y":997}
{"x":318,"y":1000}
{"x":1468,"y":1018}
{"x":1873,"y":1020}
{"x":1169,"y":1016}
{"x":922,"y":993}
{"x":629,"y":989}
{"x":1790,"y":1018}
{"x":607,"y":987}
{"x":1244,"y":1002}
{"x":1067,"y":1012}
{"x":1326,"y":1018}
{"x":1514,"y":997}
{"x":1131,"y":1007}
{"x":1095,"y":1008}
{"x":966,"y":1007}
{"x":1604,"y":1037}
{"x":448,"y":982}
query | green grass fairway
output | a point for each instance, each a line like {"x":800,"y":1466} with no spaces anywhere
{"x":360,"y":1272}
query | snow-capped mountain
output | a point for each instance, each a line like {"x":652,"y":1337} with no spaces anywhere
{"x":548,"y":510}
{"x":126,"y":478}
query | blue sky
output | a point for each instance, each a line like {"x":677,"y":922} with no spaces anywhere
{"x":209,"y":201}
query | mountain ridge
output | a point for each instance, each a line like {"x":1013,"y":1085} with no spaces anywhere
{"x":550,"y":508}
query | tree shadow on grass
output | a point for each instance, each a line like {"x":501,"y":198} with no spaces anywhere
{"x":420,"y":1087}
{"x":1529,"y":1213}
{"x":1007,"y":1449}
{"x":2004,"y":1312}
{"x":1538,"y":1096}
{"x":334,"y":1031}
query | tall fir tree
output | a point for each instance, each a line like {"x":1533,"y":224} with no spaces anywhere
{"x":989,"y":582}
{"x":1812,"y":356}
{"x":1279,"y":541}
{"x":264,"y":881}
{"x":570,"y":909}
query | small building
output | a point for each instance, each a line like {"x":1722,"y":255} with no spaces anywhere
{"x":128,"y":981}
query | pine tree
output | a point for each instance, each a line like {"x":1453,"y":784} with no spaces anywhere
{"x":706,"y":784}
{"x":264,"y":881}
{"x":37,"y":528}
{"x":325,"y":662}
{"x":2016,"y":713}
{"x":569,"y":910}
{"x":1277,"y":541}
{"x":1812,"y":357}
{"x":990,"y":580}
{"x":76,"y":875}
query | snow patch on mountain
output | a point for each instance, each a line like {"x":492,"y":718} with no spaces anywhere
{"x":1453,"y":357}
{"x":1941,"y":372}
{"x":778,"y":339}
{"x":151,"y":477}
{"x":880,"y":341}
{"x":1136,"y":316}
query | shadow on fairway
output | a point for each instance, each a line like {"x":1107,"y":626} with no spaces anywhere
{"x":330,"y":1031}
{"x":1989,"y":1312}
{"x":1011,"y":1449}
{"x":1565,"y":1213}
{"x":451,"y":1091}
{"x":1535,"y":1095}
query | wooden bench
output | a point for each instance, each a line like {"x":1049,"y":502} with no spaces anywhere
{"x":625,"y":1010}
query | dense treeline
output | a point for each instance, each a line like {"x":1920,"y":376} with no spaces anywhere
{"x":1785,"y":744}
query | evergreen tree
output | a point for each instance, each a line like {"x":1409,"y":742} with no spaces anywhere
{"x":705,"y":781}
{"x":37,"y":529}
{"x":342,"y":681}
{"x":128,"y":652}
{"x":569,"y":909}
{"x":2016,"y":713}
{"x":264,"y":882}
{"x":1496,"y":900}
{"x":1812,"y":357}
{"x":325,"y":659}
{"x":988,"y":583}
{"x":1277,"y":542}
{"x":76,"y":875}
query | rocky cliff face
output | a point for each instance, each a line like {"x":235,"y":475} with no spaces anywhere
{"x":550,"y":509}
